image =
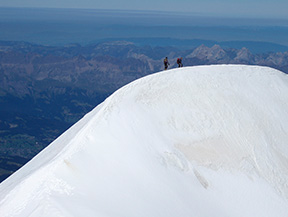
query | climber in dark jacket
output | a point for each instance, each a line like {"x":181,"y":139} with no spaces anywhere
{"x":179,"y":62}
{"x":166,"y":63}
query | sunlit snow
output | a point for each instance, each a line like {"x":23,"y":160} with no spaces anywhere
{"x":197,"y":141}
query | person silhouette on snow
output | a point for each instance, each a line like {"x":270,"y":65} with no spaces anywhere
{"x":179,"y":62}
{"x":166,"y":63}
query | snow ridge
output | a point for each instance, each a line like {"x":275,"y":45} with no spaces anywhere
{"x":207,"y":140}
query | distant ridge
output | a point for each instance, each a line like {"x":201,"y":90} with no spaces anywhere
{"x":255,"y":47}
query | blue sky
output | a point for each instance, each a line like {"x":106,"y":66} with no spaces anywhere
{"x":242,"y":8}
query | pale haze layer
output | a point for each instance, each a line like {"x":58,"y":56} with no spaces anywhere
{"x":245,"y":8}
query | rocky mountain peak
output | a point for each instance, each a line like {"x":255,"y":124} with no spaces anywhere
{"x":244,"y":55}
{"x":213,"y":54}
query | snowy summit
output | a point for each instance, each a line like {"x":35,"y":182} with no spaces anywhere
{"x":198,"y":141}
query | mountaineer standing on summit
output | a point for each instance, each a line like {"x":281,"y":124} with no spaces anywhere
{"x":179,"y":62}
{"x":166,"y":63}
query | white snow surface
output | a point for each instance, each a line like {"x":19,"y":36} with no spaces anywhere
{"x":196,"y":141}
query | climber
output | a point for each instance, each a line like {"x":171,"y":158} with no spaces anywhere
{"x":166,"y":63}
{"x":179,"y":62}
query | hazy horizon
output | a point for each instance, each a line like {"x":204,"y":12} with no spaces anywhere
{"x":63,"y":26}
{"x":230,"y":8}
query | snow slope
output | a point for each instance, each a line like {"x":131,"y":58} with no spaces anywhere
{"x":198,"y":141}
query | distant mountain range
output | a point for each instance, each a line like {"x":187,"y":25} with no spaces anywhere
{"x":255,"y":47}
{"x":46,"y":89}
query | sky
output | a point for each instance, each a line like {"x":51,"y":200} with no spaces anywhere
{"x":238,"y":8}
